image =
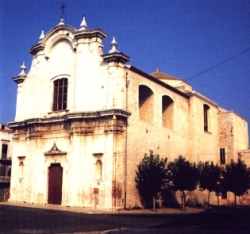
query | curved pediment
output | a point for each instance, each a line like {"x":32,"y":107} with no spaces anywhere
{"x":58,"y":33}
{"x":65,"y":32}
{"x":60,"y":28}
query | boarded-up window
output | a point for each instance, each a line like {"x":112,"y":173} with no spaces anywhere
{"x":146,"y":103}
{"x":60,"y":94}
{"x":167,"y":112}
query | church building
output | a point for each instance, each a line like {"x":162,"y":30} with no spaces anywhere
{"x":85,"y":119}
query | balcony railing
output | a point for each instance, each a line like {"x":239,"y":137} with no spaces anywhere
{"x":4,"y":179}
{"x":6,"y":161}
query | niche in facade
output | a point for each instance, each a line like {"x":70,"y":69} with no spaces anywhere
{"x":98,"y":167}
{"x":21,"y":168}
{"x":167,"y":112}
{"x":146,"y":103}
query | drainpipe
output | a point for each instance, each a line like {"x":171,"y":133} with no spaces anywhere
{"x":126,"y":144}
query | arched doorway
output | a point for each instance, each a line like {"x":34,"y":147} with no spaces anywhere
{"x":55,"y":175}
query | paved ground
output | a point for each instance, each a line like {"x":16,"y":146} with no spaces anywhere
{"x":30,"y":220}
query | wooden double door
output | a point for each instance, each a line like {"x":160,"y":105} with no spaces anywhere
{"x":55,"y":179}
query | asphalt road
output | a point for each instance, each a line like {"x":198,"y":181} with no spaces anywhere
{"x":16,"y":220}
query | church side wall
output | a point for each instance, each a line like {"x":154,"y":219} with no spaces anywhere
{"x":233,"y":134}
{"x":144,"y":136}
{"x":240,"y":132}
{"x":186,"y":137}
{"x":226,"y":134}
{"x":204,"y":144}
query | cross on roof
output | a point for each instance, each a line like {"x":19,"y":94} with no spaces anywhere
{"x":62,"y":9}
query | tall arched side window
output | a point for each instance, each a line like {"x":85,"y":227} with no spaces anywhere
{"x":146,"y":103}
{"x":167,"y":111}
{"x":60,"y":94}
{"x":206,"y":117}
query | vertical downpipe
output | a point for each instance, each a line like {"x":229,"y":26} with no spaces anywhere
{"x":126,"y":145}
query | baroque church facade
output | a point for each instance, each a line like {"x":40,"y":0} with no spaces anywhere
{"x":85,"y":119}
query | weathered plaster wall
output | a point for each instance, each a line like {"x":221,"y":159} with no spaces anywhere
{"x":144,"y":136}
{"x":245,"y":156}
{"x":30,"y":184}
{"x":233,"y":134}
{"x":240,"y":132}
{"x":204,"y":144}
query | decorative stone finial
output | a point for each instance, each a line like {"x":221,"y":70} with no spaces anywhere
{"x":114,"y":55}
{"x":23,"y":70}
{"x":83,"y":25}
{"x":22,"y":74}
{"x":42,"y":35}
{"x":114,"y":42}
{"x":114,"y":46}
{"x":61,"y":22}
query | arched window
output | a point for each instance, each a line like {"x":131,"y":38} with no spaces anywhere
{"x":167,"y":111}
{"x":60,"y":94}
{"x":206,"y":116}
{"x":146,"y":107}
{"x":98,"y":168}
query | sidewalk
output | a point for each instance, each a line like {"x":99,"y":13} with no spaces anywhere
{"x":86,"y":210}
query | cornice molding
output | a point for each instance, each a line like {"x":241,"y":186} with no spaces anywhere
{"x":70,"y":117}
{"x":116,"y":57}
{"x":90,"y":34}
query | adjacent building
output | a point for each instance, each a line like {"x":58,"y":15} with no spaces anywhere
{"x":86,"y":117}
{"x":5,"y":162}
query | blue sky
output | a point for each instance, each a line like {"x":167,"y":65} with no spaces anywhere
{"x":180,"y":37}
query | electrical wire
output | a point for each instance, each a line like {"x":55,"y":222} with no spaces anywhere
{"x":242,"y":52}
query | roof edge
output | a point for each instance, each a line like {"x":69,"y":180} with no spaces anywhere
{"x":226,"y":111}
{"x":158,"y":81}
